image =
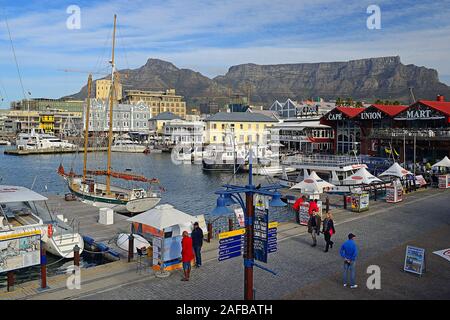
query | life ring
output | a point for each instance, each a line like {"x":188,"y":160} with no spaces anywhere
{"x":50,"y":230}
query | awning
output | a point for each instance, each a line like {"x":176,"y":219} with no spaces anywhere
{"x":163,"y":216}
{"x":10,"y":194}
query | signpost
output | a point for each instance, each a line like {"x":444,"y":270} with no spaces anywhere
{"x":414,"y":260}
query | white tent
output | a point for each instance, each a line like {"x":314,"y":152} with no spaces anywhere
{"x":19,"y":194}
{"x":163,"y":216}
{"x":396,"y":170}
{"x":443,"y":163}
{"x":362,"y":176}
{"x":312,"y":184}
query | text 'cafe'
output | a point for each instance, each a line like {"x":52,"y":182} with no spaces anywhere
{"x":373,"y":129}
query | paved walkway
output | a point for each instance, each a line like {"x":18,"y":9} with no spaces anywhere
{"x":381,"y":230}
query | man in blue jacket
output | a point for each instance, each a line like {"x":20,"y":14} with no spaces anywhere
{"x":349,"y":252}
{"x":197,"y":242}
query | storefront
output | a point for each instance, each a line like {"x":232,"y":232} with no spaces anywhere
{"x":420,"y":131}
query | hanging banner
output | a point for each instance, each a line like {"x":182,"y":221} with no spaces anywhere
{"x":239,"y":212}
{"x":414,"y":260}
{"x":261,"y":228}
{"x":303,"y":213}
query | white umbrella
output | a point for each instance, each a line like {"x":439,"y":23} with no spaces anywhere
{"x":396,"y":170}
{"x":362,"y":176}
{"x":163,"y":216}
{"x":443,"y":163}
{"x":312,"y":184}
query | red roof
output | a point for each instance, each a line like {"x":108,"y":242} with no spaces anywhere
{"x":441,"y":106}
{"x":390,"y":110}
{"x":350,"y":112}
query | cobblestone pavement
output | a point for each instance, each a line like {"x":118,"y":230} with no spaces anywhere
{"x":297,"y":264}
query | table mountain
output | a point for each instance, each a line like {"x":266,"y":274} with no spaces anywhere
{"x":364,"y":79}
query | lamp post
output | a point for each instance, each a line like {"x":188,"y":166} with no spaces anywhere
{"x":234,"y":192}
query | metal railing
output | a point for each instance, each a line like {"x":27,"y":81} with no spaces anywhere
{"x":410,"y":133}
{"x":322,"y":160}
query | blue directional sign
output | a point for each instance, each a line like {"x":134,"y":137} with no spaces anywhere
{"x":230,"y":244}
{"x":272,"y":242}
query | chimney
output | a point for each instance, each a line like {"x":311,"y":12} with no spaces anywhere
{"x":440,"y":98}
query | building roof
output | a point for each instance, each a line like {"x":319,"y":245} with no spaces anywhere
{"x":166,"y":116}
{"x":350,"y":111}
{"x":269,"y":113}
{"x":240,"y":117}
{"x":390,"y":110}
{"x":442,"y":106}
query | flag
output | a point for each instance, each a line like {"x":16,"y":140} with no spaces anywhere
{"x":396,"y":153}
{"x":387,"y":150}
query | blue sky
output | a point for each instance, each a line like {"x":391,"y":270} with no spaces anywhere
{"x":209,"y":37}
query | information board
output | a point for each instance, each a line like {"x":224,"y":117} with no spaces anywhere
{"x":20,"y":250}
{"x":272,"y":242}
{"x":239,"y":212}
{"x":414,"y":260}
{"x":303,"y":213}
{"x":231,"y":244}
{"x":261,"y":228}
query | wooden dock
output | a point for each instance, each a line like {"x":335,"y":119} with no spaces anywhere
{"x":17,"y":152}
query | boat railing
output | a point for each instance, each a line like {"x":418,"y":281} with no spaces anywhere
{"x":322,"y":160}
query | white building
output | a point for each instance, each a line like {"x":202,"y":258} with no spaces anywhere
{"x":126,"y":117}
{"x":182,"y":131}
{"x":302,"y":109}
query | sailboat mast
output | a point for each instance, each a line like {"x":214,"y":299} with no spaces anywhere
{"x":111,"y":101}
{"x":86,"y":130}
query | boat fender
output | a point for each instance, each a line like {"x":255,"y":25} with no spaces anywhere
{"x":50,"y":230}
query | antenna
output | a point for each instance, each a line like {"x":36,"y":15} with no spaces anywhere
{"x":413,"y":98}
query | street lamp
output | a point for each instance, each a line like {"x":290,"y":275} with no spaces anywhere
{"x":233,"y":192}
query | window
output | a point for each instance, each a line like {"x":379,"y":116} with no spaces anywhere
{"x":223,"y":126}
{"x":214,"y":138}
{"x":249,"y":126}
{"x":241,"y":126}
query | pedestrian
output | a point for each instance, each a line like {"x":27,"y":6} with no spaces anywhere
{"x":296,"y":207}
{"x":349,"y":251}
{"x":187,"y":255}
{"x":313,"y":207}
{"x":328,"y":230}
{"x":197,"y":242}
{"x":314,"y":227}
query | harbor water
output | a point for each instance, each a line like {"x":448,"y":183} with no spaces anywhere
{"x":185,"y":186}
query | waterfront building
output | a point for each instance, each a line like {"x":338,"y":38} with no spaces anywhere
{"x":303,"y":136}
{"x":382,"y":130}
{"x":103,"y":90}
{"x":245,"y":126}
{"x":210,"y":107}
{"x":182,"y":131}
{"x":303,"y":109}
{"x":126,"y":117}
{"x":157,"y":123}
{"x":44,"y":104}
{"x":158,"y":101}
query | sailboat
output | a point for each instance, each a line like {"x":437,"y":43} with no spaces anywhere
{"x":105,"y":195}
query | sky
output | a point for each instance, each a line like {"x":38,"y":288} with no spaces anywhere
{"x":207,"y":36}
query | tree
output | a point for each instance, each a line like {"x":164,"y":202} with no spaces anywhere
{"x":339,"y":101}
{"x":378,"y":101}
{"x":349,"y":102}
{"x":359,"y":104}
{"x":396,"y":103}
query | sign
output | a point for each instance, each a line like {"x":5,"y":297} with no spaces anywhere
{"x":20,"y":250}
{"x":419,"y":112}
{"x":239,"y":212}
{"x":374,"y":115}
{"x":303,"y":213}
{"x":421,"y":180}
{"x":444,"y":181}
{"x":444,"y":254}
{"x":334,"y":116}
{"x":272,"y":241}
{"x":414,"y":260}
{"x":231,"y":244}
{"x":261,"y":228}
{"x":360,"y":202}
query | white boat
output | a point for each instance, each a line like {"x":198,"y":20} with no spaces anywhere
{"x":23,"y":209}
{"x":41,"y":141}
{"x":5,"y":143}
{"x":125,"y":144}
{"x":138,"y":241}
{"x":272,"y":170}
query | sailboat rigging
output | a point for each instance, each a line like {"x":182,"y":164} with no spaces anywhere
{"x":104,"y":194}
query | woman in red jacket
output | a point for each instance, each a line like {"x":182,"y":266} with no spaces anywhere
{"x":187,"y":255}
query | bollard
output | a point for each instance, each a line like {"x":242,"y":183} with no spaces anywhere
{"x":130,"y":247}
{"x":43,"y":267}
{"x":10,"y":281}
{"x":375,"y":193}
{"x":327,"y":205}
{"x":76,"y":255}
{"x":210,"y":231}
{"x":230,"y":224}
{"x":345,"y":201}
{"x":297,"y":216}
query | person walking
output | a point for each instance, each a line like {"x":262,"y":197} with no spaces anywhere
{"x":328,"y":230}
{"x":187,"y":255}
{"x":313,"y":207}
{"x":349,"y":251}
{"x":197,"y":242}
{"x":314,"y":227}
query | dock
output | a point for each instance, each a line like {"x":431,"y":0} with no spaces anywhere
{"x":17,"y":152}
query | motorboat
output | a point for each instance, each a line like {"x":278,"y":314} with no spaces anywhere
{"x":5,"y":143}
{"x":41,"y":141}
{"x":124,"y":143}
{"x":226,"y":159}
{"x":23,"y":209}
